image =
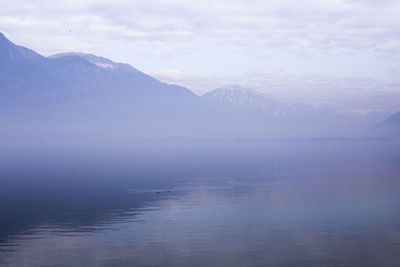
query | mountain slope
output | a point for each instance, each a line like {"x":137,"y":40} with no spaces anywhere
{"x":275,"y":118}
{"x":393,"y":120}
{"x":247,"y":100}
{"x":237,"y":96}
{"x":27,"y":76}
{"x":10,"y":52}
{"x":101,"y":62}
{"x":389,"y":127}
{"x":76,"y":94}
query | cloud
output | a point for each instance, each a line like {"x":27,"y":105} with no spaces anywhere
{"x":219,"y":42}
{"x":315,"y":25}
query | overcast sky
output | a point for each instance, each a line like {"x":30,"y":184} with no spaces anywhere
{"x":206,"y":44}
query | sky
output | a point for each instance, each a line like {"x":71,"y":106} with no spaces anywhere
{"x":310,"y":50}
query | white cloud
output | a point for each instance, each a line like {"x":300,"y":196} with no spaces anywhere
{"x":329,"y":25}
{"x":217,"y":42}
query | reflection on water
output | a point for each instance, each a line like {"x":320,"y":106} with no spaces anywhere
{"x":319,"y":203}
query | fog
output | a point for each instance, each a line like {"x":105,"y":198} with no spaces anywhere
{"x":62,"y":201}
{"x":77,"y":97}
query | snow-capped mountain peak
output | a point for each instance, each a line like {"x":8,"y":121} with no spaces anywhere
{"x":243,"y":97}
{"x":99,"y":61}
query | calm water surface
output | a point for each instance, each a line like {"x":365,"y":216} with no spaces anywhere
{"x":314,"y":203}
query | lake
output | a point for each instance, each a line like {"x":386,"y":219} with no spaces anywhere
{"x":201,"y":203}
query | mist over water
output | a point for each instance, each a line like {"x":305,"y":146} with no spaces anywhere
{"x":243,"y":134}
{"x":276,"y":203}
{"x":77,"y":97}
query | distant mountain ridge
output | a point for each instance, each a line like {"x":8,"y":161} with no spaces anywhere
{"x":76,"y":92}
{"x":390,"y":126}
{"x":100,"y":62}
{"x":394,"y":119}
{"x":243,"y":97}
{"x":26,"y":74}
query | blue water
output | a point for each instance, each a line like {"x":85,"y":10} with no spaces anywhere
{"x":276,"y":203}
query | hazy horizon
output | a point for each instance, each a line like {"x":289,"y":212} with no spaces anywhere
{"x":338,"y":52}
{"x":77,"y":91}
{"x":215,"y":133}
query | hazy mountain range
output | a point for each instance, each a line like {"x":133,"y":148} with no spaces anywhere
{"x":389,"y":127}
{"x":72,"y":95}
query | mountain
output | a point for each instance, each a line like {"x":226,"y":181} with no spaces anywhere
{"x":28,"y":76}
{"x":393,"y":120}
{"x":82,"y":92}
{"x":10,"y":53}
{"x":245,"y":100}
{"x":102,"y":62}
{"x":389,"y":127}
{"x":77,"y":95}
{"x":279,"y":119}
